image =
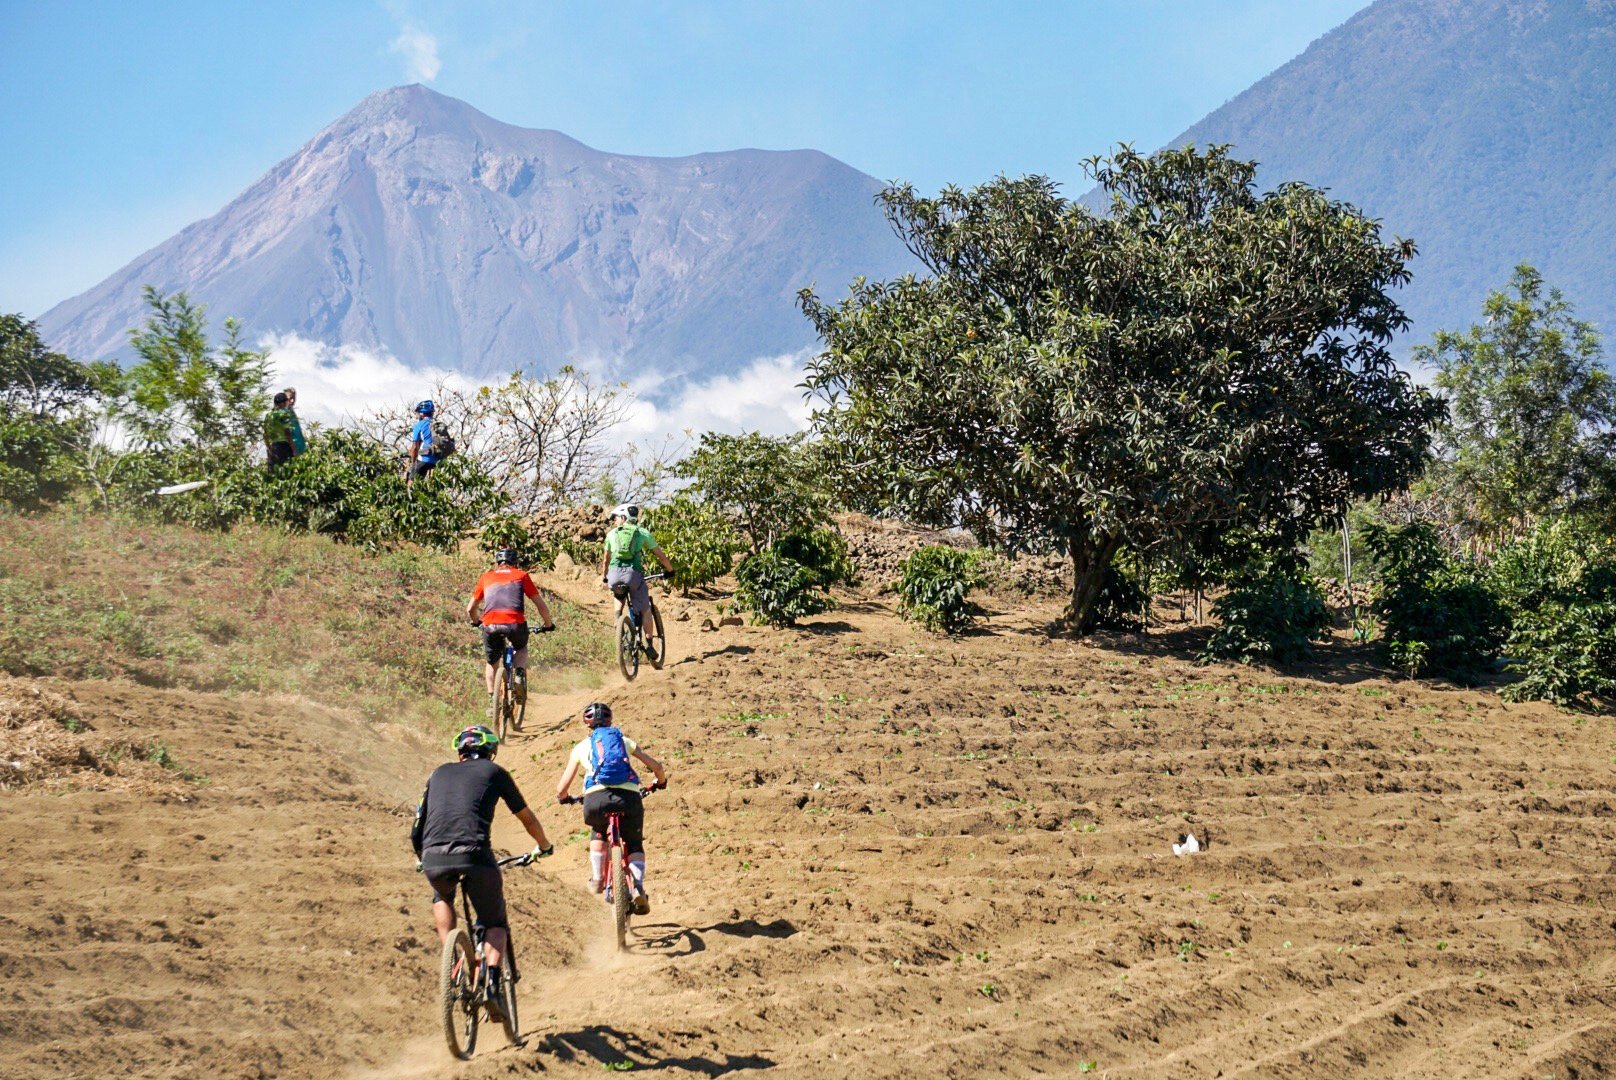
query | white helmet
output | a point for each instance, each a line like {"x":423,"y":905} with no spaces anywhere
{"x":627,"y":511}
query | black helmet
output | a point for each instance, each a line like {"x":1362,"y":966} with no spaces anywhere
{"x":598,"y":714}
{"x":506,"y":555}
{"x":476,"y":739}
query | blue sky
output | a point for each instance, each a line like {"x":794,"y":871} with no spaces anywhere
{"x":126,"y":122}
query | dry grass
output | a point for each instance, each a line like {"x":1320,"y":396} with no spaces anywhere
{"x":84,"y":595}
{"x":46,"y":741}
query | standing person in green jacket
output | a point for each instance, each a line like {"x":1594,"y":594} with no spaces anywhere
{"x":278,"y":433}
{"x":299,"y":443}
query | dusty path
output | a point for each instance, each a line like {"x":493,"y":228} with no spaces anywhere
{"x":883,"y":855}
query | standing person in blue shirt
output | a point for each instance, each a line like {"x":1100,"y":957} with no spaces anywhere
{"x":421,"y":456}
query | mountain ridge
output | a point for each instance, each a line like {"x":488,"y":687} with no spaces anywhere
{"x":417,"y":225}
{"x":1485,"y":130}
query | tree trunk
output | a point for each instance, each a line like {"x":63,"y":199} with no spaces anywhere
{"x":1091,"y":558}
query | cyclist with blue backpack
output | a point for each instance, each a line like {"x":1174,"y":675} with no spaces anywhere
{"x":430,"y":443}
{"x":611,"y":785}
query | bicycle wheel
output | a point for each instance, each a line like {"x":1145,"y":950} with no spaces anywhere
{"x":620,"y":897}
{"x":519,"y":712}
{"x":457,"y":990}
{"x":502,"y":702}
{"x":628,"y":646}
{"x":659,"y":640}
{"x":507,"y":1000}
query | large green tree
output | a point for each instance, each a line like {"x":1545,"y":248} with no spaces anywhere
{"x":46,"y":400}
{"x":1532,"y":423}
{"x":1197,"y":360}
{"x":184,"y":393}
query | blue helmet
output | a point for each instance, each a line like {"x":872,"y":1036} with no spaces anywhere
{"x":425,"y":408}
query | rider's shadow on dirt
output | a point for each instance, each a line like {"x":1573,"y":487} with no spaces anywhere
{"x":727,"y":650}
{"x":670,"y":940}
{"x":620,"y":1051}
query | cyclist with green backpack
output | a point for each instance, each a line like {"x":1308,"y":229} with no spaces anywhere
{"x":612,"y":786}
{"x":624,"y":560}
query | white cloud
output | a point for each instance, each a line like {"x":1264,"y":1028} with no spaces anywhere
{"x":337,"y":384}
{"x":764,"y":396}
{"x":420,"y":52}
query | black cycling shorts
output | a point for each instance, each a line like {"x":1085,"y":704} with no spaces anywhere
{"x":421,"y":468}
{"x":494,"y":638}
{"x":484,"y":885}
{"x":597,"y":804}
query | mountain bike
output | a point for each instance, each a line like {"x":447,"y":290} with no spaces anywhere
{"x":510,"y":707}
{"x":617,"y":892}
{"x":463,"y":979}
{"x":632,"y":641}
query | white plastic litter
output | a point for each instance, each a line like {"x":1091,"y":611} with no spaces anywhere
{"x":180,"y":489}
{"x":1189,"y":847}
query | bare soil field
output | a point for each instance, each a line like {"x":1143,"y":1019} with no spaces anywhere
{"x":883,"y":854}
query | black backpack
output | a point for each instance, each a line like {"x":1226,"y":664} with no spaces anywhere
{"x":443,"y":443}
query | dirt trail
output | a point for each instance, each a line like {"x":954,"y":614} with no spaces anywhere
{"x":883,"y":855}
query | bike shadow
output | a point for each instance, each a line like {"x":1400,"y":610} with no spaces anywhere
{"x":671,"y":940}
{"x":727,"y":650}
{"x":619,"y":1051}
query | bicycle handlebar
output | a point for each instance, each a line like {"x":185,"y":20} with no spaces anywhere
{"x":655,"y":785}
{"x":527,"y":857}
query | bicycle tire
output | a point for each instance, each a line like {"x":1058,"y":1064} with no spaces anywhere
{"x":620,"y":897}
{"x":456,"y":990}
{"x":507,"y":1000}
{"x":502,"y":702}
{"x":660,"y":643}
{"x":628,"y":647}
{"x":519,"y":709}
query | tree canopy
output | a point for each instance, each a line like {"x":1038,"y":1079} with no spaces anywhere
{"x":184,"y":392}
{"x":1532,"y":426}
{"x":1198,"y":360}
{"x":769,"y":483}
{"x":45,"y":404}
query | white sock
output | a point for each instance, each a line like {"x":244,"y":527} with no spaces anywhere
{"x":636,"y":868}
{"x":597,"y":863}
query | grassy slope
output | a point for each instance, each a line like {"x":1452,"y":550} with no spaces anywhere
{"x":83,"y":595}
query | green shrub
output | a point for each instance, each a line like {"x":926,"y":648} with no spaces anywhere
{"x":584,"y":553}
{"x":1272,"y":617}
{"x":778,"y":590}
{"x":1559,"y":583}
{"x":700,"y":541}
{"x":823,"y":551}
{"x":346,"y":485}
{"x":935,"y":585}
{"x":503,"y":530}
{"x":1435,"y":608}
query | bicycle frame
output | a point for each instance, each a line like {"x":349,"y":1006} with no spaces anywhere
{"x":479,"y":935}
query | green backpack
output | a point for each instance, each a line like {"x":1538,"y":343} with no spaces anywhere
{"x":625,"y":551}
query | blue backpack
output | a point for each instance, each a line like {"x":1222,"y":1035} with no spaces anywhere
{"x":610,"y":754}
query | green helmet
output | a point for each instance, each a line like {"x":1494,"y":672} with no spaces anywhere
{"x":476,"y":739}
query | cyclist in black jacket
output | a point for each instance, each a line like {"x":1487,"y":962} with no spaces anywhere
{"x":450,"y":838}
